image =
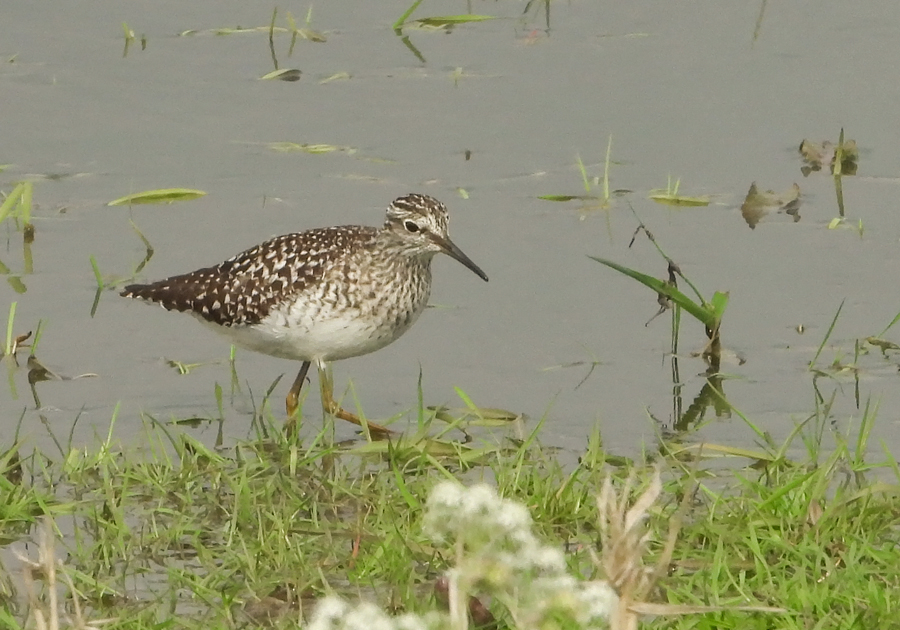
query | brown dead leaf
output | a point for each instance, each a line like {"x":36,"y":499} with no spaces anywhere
{"x":758,"y":204}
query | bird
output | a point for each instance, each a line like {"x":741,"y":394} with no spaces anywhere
{"x":320,"y":295}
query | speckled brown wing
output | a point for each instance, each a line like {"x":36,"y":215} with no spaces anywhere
{"x":245,"y":288}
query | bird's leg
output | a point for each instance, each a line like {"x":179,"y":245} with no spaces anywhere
{"x":331,"y":406}
{"x":293,"y":399}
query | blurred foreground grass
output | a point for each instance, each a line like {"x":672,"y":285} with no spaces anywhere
{"x":167,"y":533}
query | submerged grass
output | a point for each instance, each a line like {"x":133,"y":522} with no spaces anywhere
{"x":171,"y":533}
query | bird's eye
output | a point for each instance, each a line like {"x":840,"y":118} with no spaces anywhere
{"x":410,"y":226}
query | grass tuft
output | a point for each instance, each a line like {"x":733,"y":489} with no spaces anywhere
{"x":167,"y":529}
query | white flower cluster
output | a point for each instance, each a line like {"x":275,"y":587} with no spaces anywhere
{"x":498,"y":553}
{"x":488,"y":524}
{"x":333,"y":613}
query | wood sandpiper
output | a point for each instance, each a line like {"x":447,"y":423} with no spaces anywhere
{"x":321,"y":295}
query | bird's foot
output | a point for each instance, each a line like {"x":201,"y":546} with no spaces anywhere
{"x":374,"y":429}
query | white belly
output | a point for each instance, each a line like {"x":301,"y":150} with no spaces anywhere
{"x":326,"y":335}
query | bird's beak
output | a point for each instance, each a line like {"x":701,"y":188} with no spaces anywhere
{"x":448,"y":247}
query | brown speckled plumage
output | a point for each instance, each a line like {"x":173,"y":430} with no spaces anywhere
{"x":246,"y":287}
{"x":323,"y":294}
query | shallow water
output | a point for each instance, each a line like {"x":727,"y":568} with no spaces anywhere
{"x":708,"y":93}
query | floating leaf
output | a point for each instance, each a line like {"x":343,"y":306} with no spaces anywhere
{"x":181,"y":367}
{"x":670,"y":199}
{"x":410,"y":445}
{"x":231,"y":31}
{"x":882,"y":344}
{"x":567,"y":197}
{"x":162,"y":195}
{"x":734,"y":451}
{"x":192,"y":422}
{"x":841,"y":158}
{"x":670,"y":196}
{"x":16,"y":283}
{"x":310,"y":148}
{"x":758,"y":204}
{"x":449,"y":20}
{"x":477,"y":416}
{"x":311,"y":35}
{"x":38,"y":372}
{"x":285,"y":74}
{"x":339,"y":76}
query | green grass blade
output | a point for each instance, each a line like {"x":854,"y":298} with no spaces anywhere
{"x":701,"y":314}
{"x":24,"y":208}
{"x":11,"y":200}
{"x":402,"y":19}
{"x":719,"y":304}
{"x":97,"y":275}
{"x":585,"y":180}
{"x":827,"y":336}
{"x":606,"y":168}
{"x":7,"y":349}
{"x":889,"y":326}
{"x":37,"y":336}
